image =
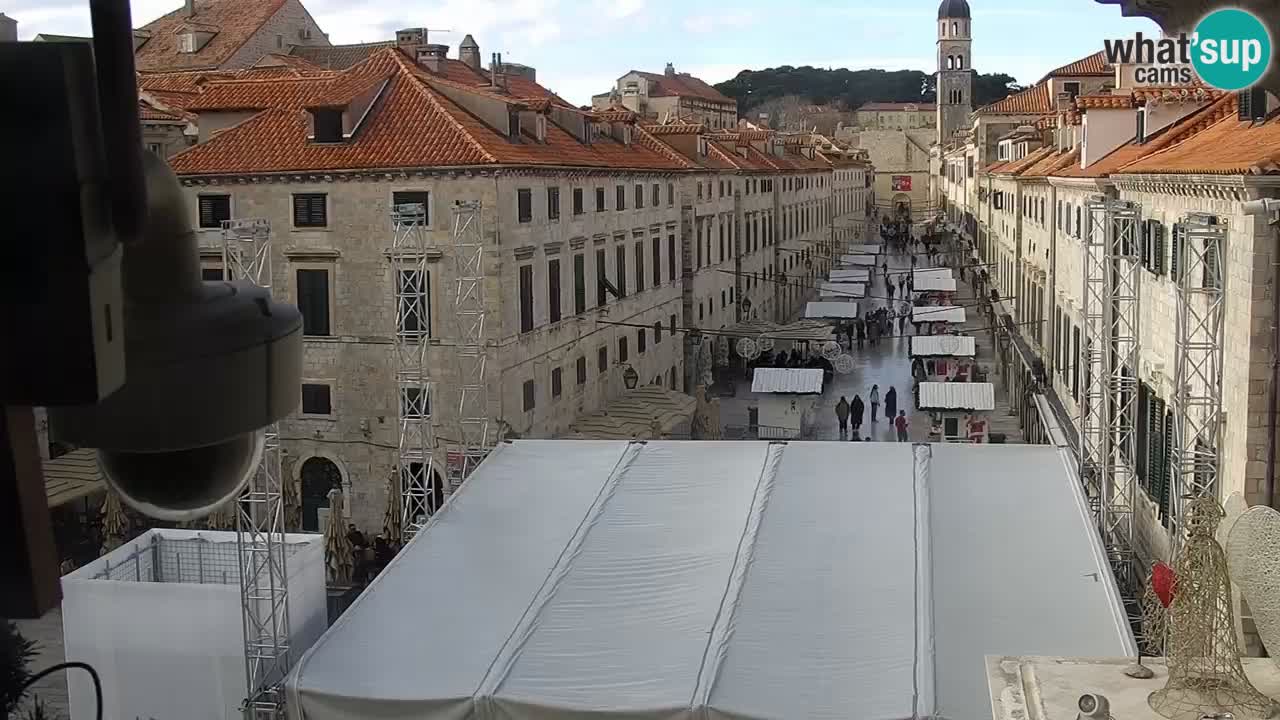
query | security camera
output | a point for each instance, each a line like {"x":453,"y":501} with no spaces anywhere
{"x":1265,"y":206}
{"x":1093,"y":707}
{"x":208,"y":366}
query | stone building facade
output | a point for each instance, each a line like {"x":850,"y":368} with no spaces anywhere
{"x":670,"y":97}
{"x":223,"y":35}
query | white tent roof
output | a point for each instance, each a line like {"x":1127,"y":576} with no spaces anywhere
{"x":850,"y":275}
{"x":933,"y":283}
{"x":849,"y":290}
{"x":937,"y":313}
{"x":797,"y":381}
{"x":681,"y":580}
{"x":943,"y":345}
{"x":957,"y":396}
{"x":938,"y":272}
{"x":859,"y":260}
{"x":838,"y":310}
{"x":865,"y":249}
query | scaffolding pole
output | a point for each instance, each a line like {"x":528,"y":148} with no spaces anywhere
{"x":264,"y":593}
{"x":1198,"y":243}
{"x":415,"y":446}
{"x":1109,"y":356}
{"x":475,"y":437}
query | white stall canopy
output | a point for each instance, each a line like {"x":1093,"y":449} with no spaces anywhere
{"x":864,"y":249}
{"x":978,"y":397}
{"x":933,"y":283}
{"x":861,"y":275}
{"x":792,"y":381}
{"x":943,"y":346}
{"x":842,"y":290}
{"x":938,"y":313}
{"x":747,"y":580}
{"x":838,"y":310}
{"x":859,"y":260}
{"x":934,"y":272}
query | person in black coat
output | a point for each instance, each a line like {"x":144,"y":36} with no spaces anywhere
{"x":856,"y":408}
{"x":891,"y":403}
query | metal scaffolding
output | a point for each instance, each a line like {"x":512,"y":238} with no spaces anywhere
{"x":1197,"y":398}
{"x":1109,"y":359}
{"x":474,"y":434}
{"x":264,"y":594}
{"x":415,"y":459}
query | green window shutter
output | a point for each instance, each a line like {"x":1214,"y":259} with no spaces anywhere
{"x":1175,"y":262}
{"x":1162,"y":491}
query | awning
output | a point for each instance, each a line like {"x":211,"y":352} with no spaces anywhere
{"x":814,"y":331}
{"x":859,"y":260}
{"x":943,"y":346}
{"x":937,"y":272}
{"x":748,"y":580}
{"x":957,"y":396}
{"x":645,"y":413}
{"x":72,"y":476}
{"x":837,"y":310}
{"x":864,"y":249}
{"x":933,"y":283}
{"x":938,"y":313}
{"x":788,"y":381}
{"x":849,"y":290}
{"x":861,"y":275}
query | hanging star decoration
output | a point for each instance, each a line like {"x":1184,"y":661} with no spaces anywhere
{"x":1164,"y":581}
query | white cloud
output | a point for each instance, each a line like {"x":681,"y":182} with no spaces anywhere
{"x":716,"y":22}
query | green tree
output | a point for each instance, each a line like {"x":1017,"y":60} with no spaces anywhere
{"x":16,"y":653}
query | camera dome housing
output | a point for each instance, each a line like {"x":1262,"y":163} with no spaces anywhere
{"x":208,"y":365}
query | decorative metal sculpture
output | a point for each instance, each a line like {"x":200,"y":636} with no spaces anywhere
{"x":831,"y":350}
{"x":337,"y":548}
{"x":392,"y":521}
{"x":765,"y":343}
{"x":748,"y":348}
{"x":1205,"y":672}
{"x":843,"y":364}
{"x":1253,"y":554}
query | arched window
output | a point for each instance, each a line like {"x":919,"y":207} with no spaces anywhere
{"x":955,"y":28}
{"x":944,"y":28}
{"x":319,"y":476}
{"x":959,"y":62}
{"x":951,"y":61}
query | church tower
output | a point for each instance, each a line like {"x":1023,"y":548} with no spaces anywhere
{"x":955,"y":68}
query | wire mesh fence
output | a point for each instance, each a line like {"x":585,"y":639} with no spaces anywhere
{"x":195,"y":560}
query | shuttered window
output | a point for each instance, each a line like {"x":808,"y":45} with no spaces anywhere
{"x":1175,"y":253}
{"x":213,"y":210}
{"x":310,"y":210}
{"x":313,"y":301}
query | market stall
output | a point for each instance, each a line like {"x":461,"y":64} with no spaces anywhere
{"x":836,"y":310}
{"x":861,"y":275}
{"x":842,"y":290}
{"x":859,"y":260}
{"x":933,"y":319}
{"x":787,"y":397}
{"x":957,"y":410}
{"x":942,"y":357}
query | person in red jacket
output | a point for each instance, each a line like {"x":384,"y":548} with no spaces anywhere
{"x":902,"y":424}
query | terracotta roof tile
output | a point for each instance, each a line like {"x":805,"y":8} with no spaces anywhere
{"x":148,"y":112}
{"x":1195,"y":93}
{"x":411,"y":125}
{"x":676,"y":129}
{"x":1122,"y":101}
{"x":339,"y":57}
{"x":681,"y":85}
{"x":234,"y":22}
{"x":1034,"y":100}
{"x":1216,"y":142}
{"x":1051,"y":163}
{"x":1094,"y":65}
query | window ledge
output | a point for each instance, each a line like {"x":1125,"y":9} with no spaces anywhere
{"x":294,"y":253}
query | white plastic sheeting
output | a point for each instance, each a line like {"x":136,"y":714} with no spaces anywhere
{"x":859,"y":260}
{"x":743,"y":580}
{"x":944,"y":273}
{"x":861,"y":275}
{"x":957,"y":396}
{"x":159,"y":618}
{"x":838,"y":310}
{"x":943,"y":346}
{"x":864,"y":249}
{"x":850,"y":290}
{"x":933,"y":283}
{"x":938,"y":313}
{"x":798,"y":381}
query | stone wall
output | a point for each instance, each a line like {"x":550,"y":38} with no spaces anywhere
{"x":286,"y":28}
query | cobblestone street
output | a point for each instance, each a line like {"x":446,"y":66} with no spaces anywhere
{"x":888,"y":365}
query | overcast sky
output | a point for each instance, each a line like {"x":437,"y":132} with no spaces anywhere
{"x":580,"y":46}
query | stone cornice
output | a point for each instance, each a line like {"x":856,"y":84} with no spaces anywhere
{"x":1236,"y":188}
{"x":1085,"y":184}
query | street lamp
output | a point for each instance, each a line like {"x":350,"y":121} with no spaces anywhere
{"x":630,"y":378}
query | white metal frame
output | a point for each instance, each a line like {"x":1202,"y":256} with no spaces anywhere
{"x":264,"y":593}
{"x":1109,"y":356}
{"x":475,"y":437}
{"x":1197,"y":396}
{"x":416,"y":442}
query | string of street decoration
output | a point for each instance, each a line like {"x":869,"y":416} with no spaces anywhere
{"x":740,"y":334}
{"x":783,"y":280}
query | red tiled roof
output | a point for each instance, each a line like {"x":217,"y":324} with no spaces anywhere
{"x":676,"y":129}
{"x":1094,"y":65}
{"x":1105,"y":102}
{"x":681,"y":85}
{"x":148,"y":112}
{"x":338,"y":57}
{"x":411,"y":125}
{"x":1034,"y":100}
{"x":1216,"y":142}
{"x":233,"y":21}
{"x":896,"y":107}
{"x":1051,"y":163}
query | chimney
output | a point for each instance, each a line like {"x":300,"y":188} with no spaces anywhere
{"x":497,"y":80}
{"x":670,"y":71}
{"x":469,"y":52}
{"x":410,"y":39}
{"x":191,"y":8}
{"x":433,"y":57}
{"x":8,"y":29}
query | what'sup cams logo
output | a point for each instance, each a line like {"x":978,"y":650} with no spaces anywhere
{"x":1230,"y":50}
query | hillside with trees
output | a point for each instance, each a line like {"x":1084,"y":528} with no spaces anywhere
{"x":850,"y":88}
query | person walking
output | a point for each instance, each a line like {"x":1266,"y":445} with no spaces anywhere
{"x":902,"y":285}
{"x":856,"y":408}
{"x":842,"y":415}
{"x":875,"y":401}
{"x":891,"y":402}
{"x":889,"y":287}
{"x":902,"y":425}
{"x":862,"y":331}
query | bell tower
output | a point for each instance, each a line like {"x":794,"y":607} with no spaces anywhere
{"x":955,"y":68}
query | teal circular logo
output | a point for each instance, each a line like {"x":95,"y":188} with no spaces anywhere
{"x":1231,"y":49}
